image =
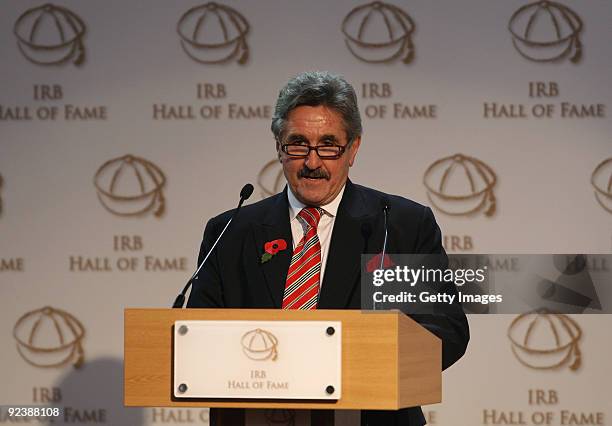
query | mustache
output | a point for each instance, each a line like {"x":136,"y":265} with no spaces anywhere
{"x":316,"y":173}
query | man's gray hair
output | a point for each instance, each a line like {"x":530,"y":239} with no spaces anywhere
{"x":314,"y":88}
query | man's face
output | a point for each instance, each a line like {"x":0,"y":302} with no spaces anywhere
{"x":315,"y":181}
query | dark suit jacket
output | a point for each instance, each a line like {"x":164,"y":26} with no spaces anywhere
{"x":234,"y":277}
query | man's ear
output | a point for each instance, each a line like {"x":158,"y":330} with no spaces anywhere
{"x":278,"y":150}
{"x":353,"y":150}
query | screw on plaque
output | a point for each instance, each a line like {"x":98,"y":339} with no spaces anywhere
{"x":330,"y":331}
{"x":330,"y":389}
{"x":183,"y":330}
{"x":182,"y":388}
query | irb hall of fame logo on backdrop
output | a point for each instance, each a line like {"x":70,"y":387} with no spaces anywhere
{"x":378,"y":33}
{"x":50,"y":35}
{"x":213,"y":33}
{"x":131,"y":186}
{"x":50,"y":337}
{"x":601,"y":180}
{"x":545,"y":340}
{"x":547,"y":31}
{"x":460,"y":185}
{"x":270,"y":178}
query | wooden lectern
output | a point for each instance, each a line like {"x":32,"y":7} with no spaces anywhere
{"x":389,"y":361}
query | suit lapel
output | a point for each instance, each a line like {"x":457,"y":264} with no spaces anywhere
{"x":275,"y":226}
{"x":342,"y":270}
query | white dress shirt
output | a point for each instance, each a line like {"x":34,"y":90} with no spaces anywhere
{"x":324,"y":230}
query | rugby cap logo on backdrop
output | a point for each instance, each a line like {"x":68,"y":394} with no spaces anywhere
{"x":213,"y":33}
{"x":50,"y":35}
{"x":379,"y":32}
{"x":131,"y":186}
{"x":50,"y":337}
{"x":544,"y":340}
{"x":601,"y":179}
{"x":260,"y":345}
{"x":459,"y":185}
{"x":547,"y":31}
{"x":271,"y":178}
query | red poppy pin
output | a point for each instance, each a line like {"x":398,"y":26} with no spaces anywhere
{"x":271,"y":248}
{"x":374,"y":263}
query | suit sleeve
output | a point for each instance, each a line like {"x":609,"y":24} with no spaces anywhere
{"x":207,"y":288}
{"x":448,"y":322}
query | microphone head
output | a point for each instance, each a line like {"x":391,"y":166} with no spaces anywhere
{"x":384,"y":204}
{"x":246,"y":191}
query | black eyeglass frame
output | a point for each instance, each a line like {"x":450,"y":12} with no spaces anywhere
{"x":342,"y":149}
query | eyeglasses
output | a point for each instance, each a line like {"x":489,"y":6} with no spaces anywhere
{"x":323,"y":151}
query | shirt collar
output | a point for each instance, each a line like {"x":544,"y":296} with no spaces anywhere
{"x":296,"y":206}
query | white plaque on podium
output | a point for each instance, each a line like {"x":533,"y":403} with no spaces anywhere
{"x":258,"y":359}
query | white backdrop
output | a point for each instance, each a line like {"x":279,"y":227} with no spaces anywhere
{"x":57,"y":239}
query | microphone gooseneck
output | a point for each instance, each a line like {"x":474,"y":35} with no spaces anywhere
{"x":384,"y":205}
{"x":245,"y":193}
{"x":385,"y":208}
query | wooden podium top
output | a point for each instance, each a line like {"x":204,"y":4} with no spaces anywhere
{"x":388,"y":360}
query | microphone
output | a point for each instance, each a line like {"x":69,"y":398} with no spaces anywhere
{"x":384,"y":203}
{"x":245,"y":193}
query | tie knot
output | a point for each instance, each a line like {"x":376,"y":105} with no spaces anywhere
{"x":311,"y":215}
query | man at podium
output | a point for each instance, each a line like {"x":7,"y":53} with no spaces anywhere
{"x":301,"y":248}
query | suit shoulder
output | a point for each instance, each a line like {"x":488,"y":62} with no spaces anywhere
{"x":396,"y":202}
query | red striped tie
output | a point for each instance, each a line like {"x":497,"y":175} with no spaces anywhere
{"x":302,"y":286}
